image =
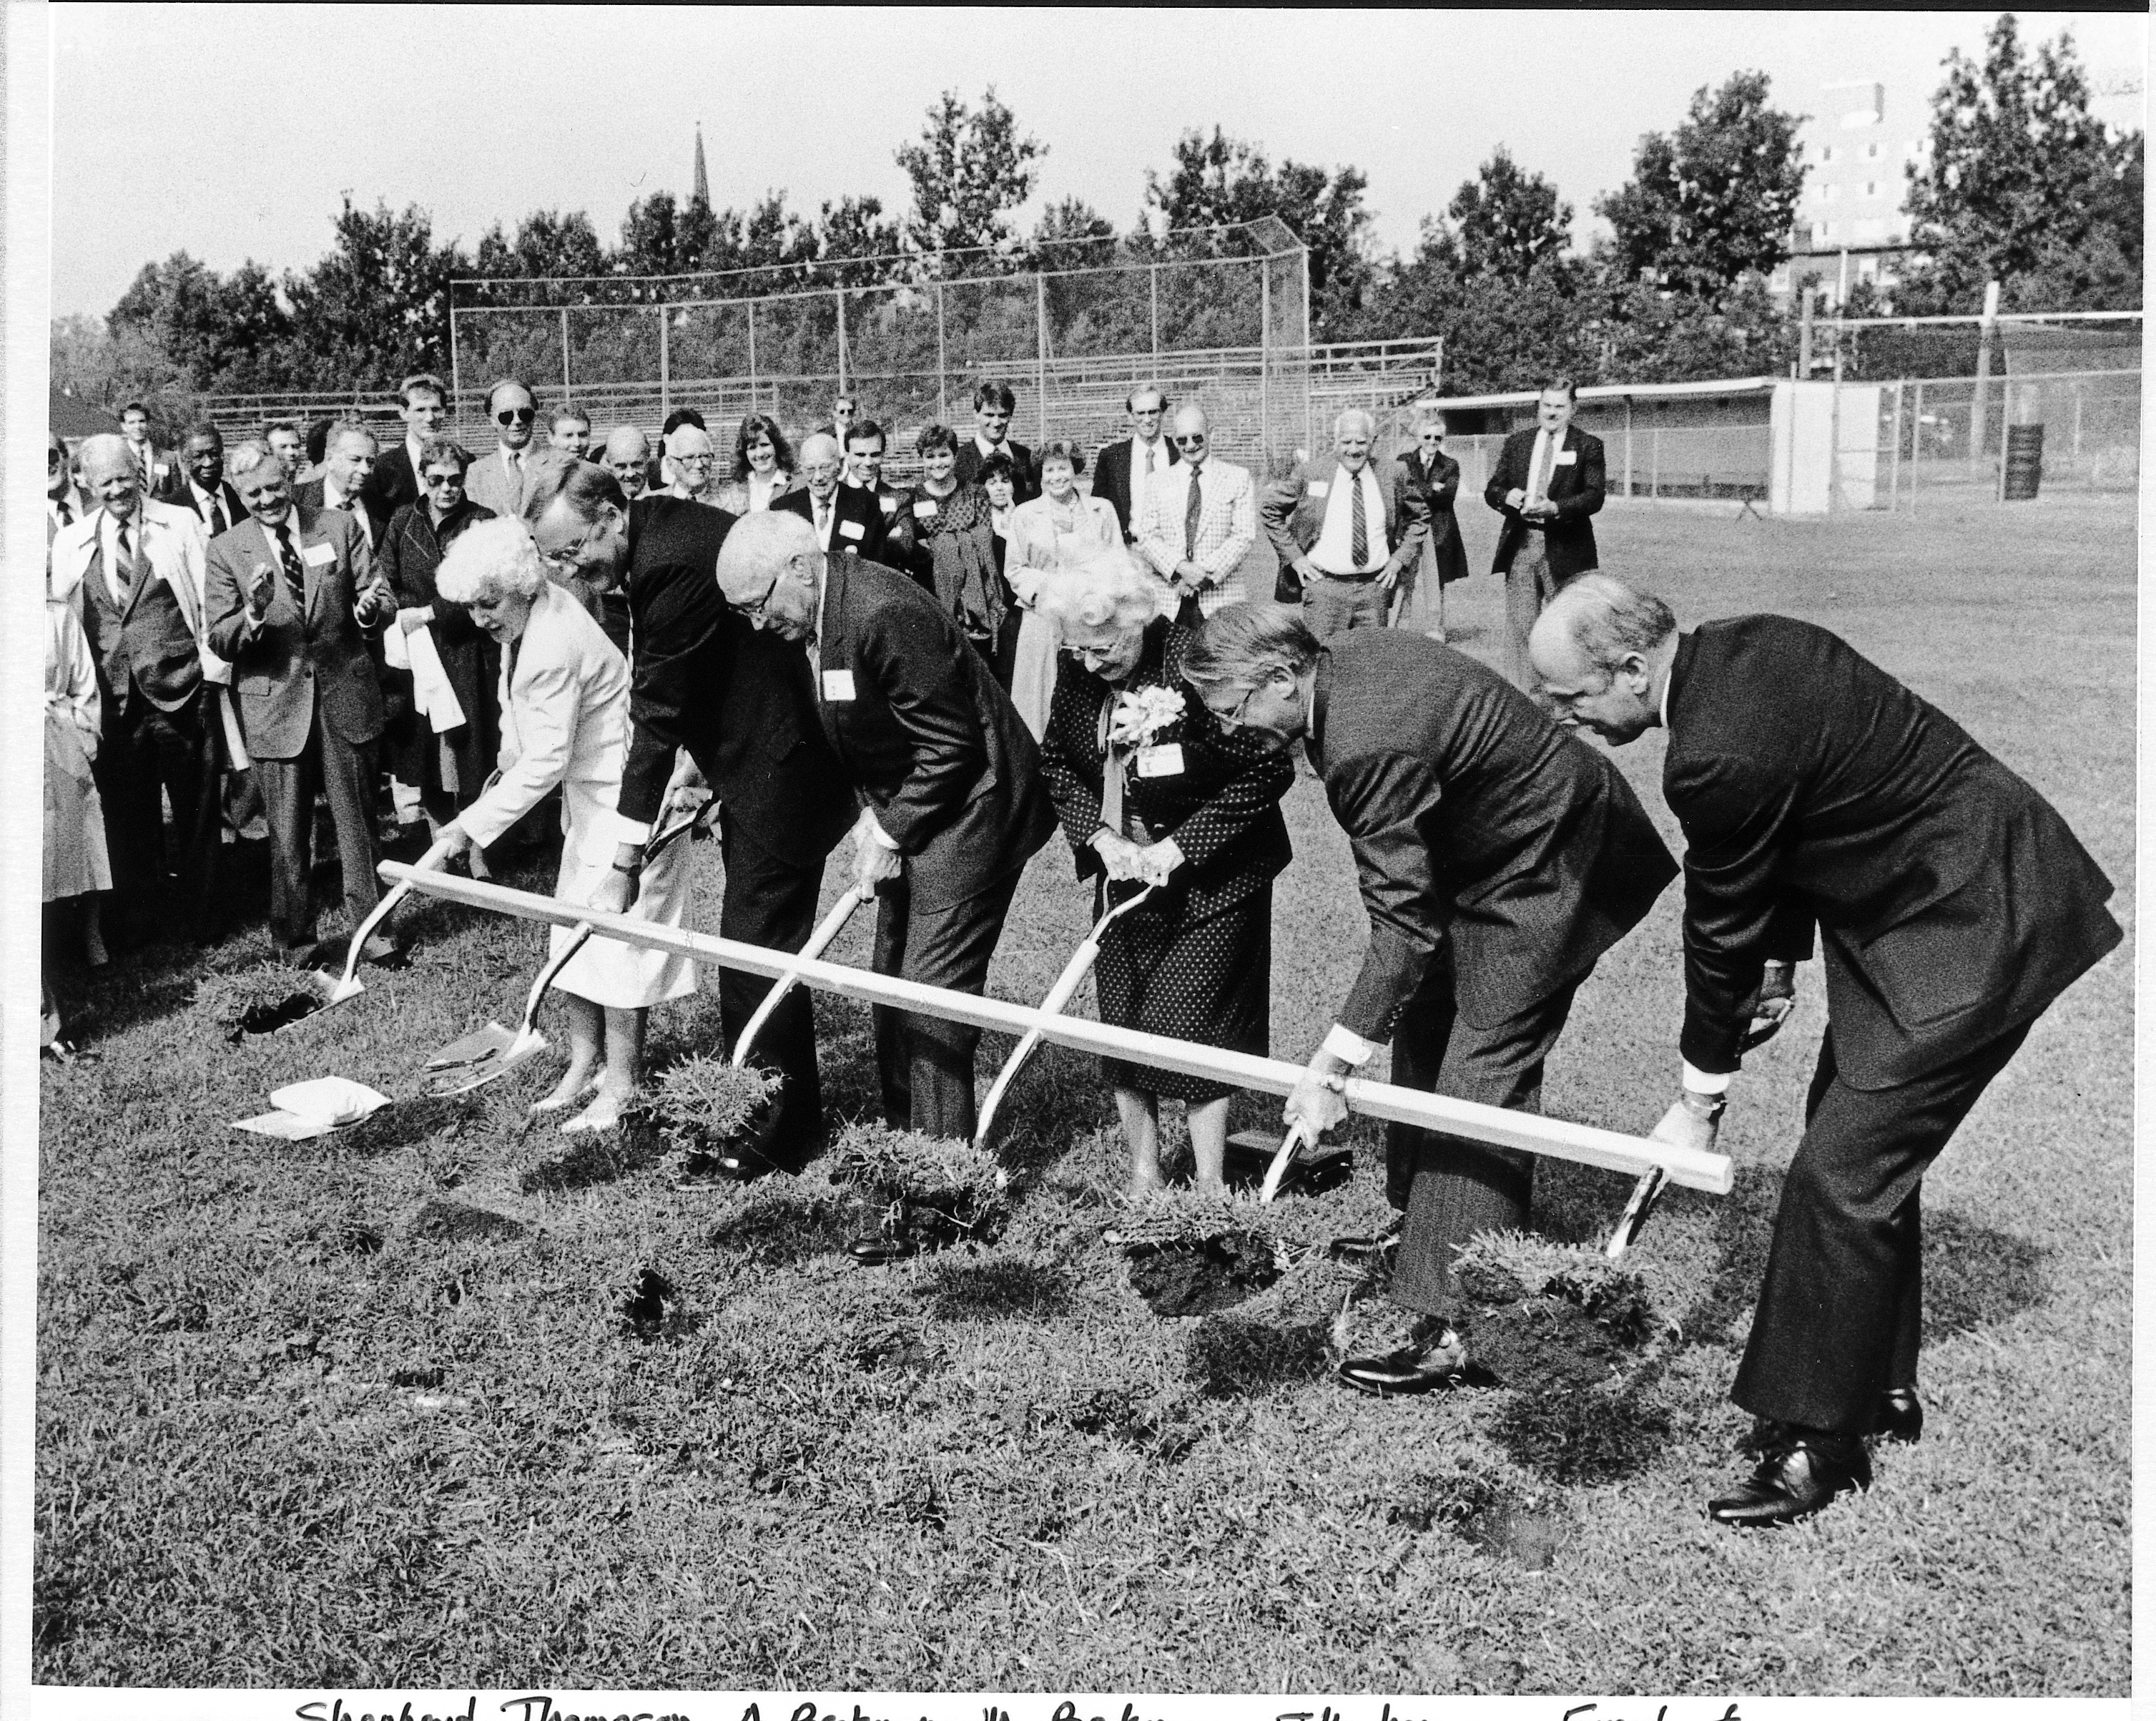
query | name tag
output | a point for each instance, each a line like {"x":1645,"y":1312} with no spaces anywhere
{"x":1319,"y":486}
{"x":318,"y":555}
{"x":1567,"y":457}
{"x":852,"y":529}
{"x":889,"y":504}
{"x":1164,"y":761}
{"x":925,"y":508}
{"x":838,"y":685}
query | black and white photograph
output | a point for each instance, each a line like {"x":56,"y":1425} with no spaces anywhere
{"x":1177,"y":862}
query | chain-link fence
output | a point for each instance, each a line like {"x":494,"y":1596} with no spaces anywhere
{"x":1954,"y":438}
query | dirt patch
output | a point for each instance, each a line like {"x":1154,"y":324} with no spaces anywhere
{"x":1548,"y":1343}
{"x":457,"y":1222}
{"x":1198,"y":1276}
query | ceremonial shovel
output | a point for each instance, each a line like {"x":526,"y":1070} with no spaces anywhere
{"x":827,"y":929}
{"x":350,"y":986}
{"x":488,"y":1053}
{"x":1059,"y":995}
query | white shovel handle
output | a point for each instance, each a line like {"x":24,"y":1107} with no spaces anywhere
{"x":827,"y":929}
{"x":436,"y":856}
{"x":1298,"y":1137}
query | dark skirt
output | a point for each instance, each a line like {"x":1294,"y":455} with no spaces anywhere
{"x":1208,"y":980}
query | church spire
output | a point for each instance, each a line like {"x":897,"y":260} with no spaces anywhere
{"x":703,"y":192}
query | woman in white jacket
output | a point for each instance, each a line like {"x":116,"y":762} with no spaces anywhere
{"x":565,"y":721}
{"x":1057,"y":529}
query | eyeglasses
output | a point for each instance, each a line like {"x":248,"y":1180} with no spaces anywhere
{"x":568,"y":558}
{"x":1233,"y":719}
{"x":693,"y":459}
{"x":1433,"y":435}
{"x":515,"y":415}
{"x":822,"y":471}
{"x":435,"y":481}
{"x":1196,"y":441}
{"x":754,"y":609}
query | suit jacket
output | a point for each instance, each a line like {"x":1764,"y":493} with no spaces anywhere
{"x":1025,"y":471}
{"x":159,"y":469}
{"x":895,"y":504}
{"x":304,"y":657}
{"x":1294,"y":511}
{"x":1227,"y":526}
{"x":1575,"y":486}
{"x":313,"y":494}
{"x":487,"y":481}
{"x":1472,"y":816}
{"x":925,"y":736}
{"x":1952,"y":901}
{"x":180,"y":493}
{"x":858,"y":530}
{"x":1439,"y":487}
{"x":1222,"y":807}
{"x":564,"y":718}
{"x":1111,"y":480}
{"x":741,"y":701}
{"x":174,"y":546}
{"x":392,"y":485}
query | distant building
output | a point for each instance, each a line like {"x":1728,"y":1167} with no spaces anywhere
{"x":1852,"y":225}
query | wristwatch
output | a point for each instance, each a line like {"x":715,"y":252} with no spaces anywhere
{"x":1708,"y":1106}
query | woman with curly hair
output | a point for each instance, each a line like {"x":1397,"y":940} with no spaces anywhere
{"x":763,"y":466}
{"x":954,"y":547}
{"x":1151,"y":790}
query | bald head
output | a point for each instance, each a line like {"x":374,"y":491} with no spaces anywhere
{"x":1602,"y":652}
{"x":1190,"y":422}
{"x":625,"y":442}
{"x":770,"y":567}
{"x":822,"y":460}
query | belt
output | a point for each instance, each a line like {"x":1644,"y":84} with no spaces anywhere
{"x":1356,"y":579}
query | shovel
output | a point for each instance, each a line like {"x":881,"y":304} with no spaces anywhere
{"x":827,"y":929}
{"x":349,"y":986}
{"x":1059,"y":995}
{"x":486,"y":1055}
{"x":1298,"y":1137}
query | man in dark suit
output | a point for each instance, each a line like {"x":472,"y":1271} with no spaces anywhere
{"x":198,"y":482}
{"x":865,"y":445}
{"x":954,"y":804}
{"x":424,"y":407}
{"x":348,"y":463}
{"x":1344,"y":532}
{"x":994,"y":404}
{"x":742,"y":703}
{"x":293,"y":598}
{"x":291,"y":448}
{"x":1952,"y":904}
{"x":133,"y":569}
{"x":847,"y":520}
{"x":1122,"y":470}
{"x":1547,"y":484}
{"x":1499,"y":858}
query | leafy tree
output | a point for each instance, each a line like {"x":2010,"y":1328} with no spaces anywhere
{"x":1073,"y":235}
{"x":970,"y":174}
{"x":376,"y":306}
{"x":1505,"y":223}
{"x":1220,"y":181}
{"x":1715,"y":201}
{"x":852,"y":229}
{"x":2024,"y":185}
{"x":545,"y":244}
{"x":214,"y":333}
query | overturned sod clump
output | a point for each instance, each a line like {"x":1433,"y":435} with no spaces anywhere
{"x":931,"y":1191}
{"x":1191,"y":1255}
{"x":704,"y":1111}
{"x":257,"y":999}
{"x":1552,"y":1318}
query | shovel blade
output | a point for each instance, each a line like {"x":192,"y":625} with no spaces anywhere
{"x":479,"y":1044}
{"x":518,"y":1049}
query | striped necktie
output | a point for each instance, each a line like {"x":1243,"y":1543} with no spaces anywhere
{"x":1191,"y":507}
{"x":1359,"y":526}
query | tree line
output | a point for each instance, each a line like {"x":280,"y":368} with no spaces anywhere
{"x":2020,"y":184}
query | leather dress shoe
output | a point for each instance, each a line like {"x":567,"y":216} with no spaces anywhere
{"x":1901,"y":1415}
{"x":1433,"y":1361}
{"x":875,"y":1249}
{"x":1805,"y":1472}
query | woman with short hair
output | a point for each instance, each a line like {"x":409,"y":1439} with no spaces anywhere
{"x":1058,"y":528}
{"x":445,"y":766}
{"x":1436,"y":475}
{"x":565,"y":723}
{"x":1152,"y":789}
{"x":763,"y":466}
{"x":954,"y":544}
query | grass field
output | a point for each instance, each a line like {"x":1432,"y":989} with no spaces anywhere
{"x":365,"y":1412}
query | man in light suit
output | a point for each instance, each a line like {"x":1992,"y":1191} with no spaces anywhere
{"x":1952,"y":905}
{"x":848,"y":521}
{"x":1499,"y":858}
{"x":953,"y":803}
{"x":293,"y":598}
{"x":1199,"y":522}
{"x":198,"y":482}
{"x":1124,"y":471}
{"x":501,"y":480}
{"x":1325,"y":523}
{"x":134,"y":569}
{"x":424,"y":405}
{"x":1547,"y":484}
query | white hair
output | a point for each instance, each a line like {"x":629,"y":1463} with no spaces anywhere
{"x":1355,"y":415}
{"x":249,"y":455}
{"x":492,"y":559}
{"x":1108,"y":588}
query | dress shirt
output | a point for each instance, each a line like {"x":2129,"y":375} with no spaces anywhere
{"x":1146,"y":460}
{"x":334,"y":498}
{"x":210,"y":506}
{"x":829,"y":512}
{"x":1541,"y":453}
{"x":988,"y":449}
{"x":75,"y":504}
{"x":762,"y":492}
{"x":512,"y":463}
{"x":1333,"y":552}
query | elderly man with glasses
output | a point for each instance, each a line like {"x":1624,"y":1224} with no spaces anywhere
{"x":848,"y":521}
{"x":1345,"y":535}
{"x":501,"y":480}
{"x":1200,"y":520}
{"x":690,"y":464}
{"x":1436,"y":475}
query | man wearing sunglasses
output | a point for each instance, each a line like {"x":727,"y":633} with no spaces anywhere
{"x":1200,"y":520}
{"x":501,"y":480}
{"x":1436,"y":475}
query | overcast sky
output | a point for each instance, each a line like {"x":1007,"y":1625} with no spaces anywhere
{"x":231,"y":132}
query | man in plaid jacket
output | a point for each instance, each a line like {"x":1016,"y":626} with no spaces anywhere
{"x":1200,"y":520}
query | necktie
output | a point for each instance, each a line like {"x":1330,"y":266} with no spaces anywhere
{"x":295,"y":578}
{"x":824,"y":524}
{"x":1359,"y":526}
{"x":122,"y":577}
{"x":217,"y":523}
{"x":1190,"y":512}
{"x":66,"y":518}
